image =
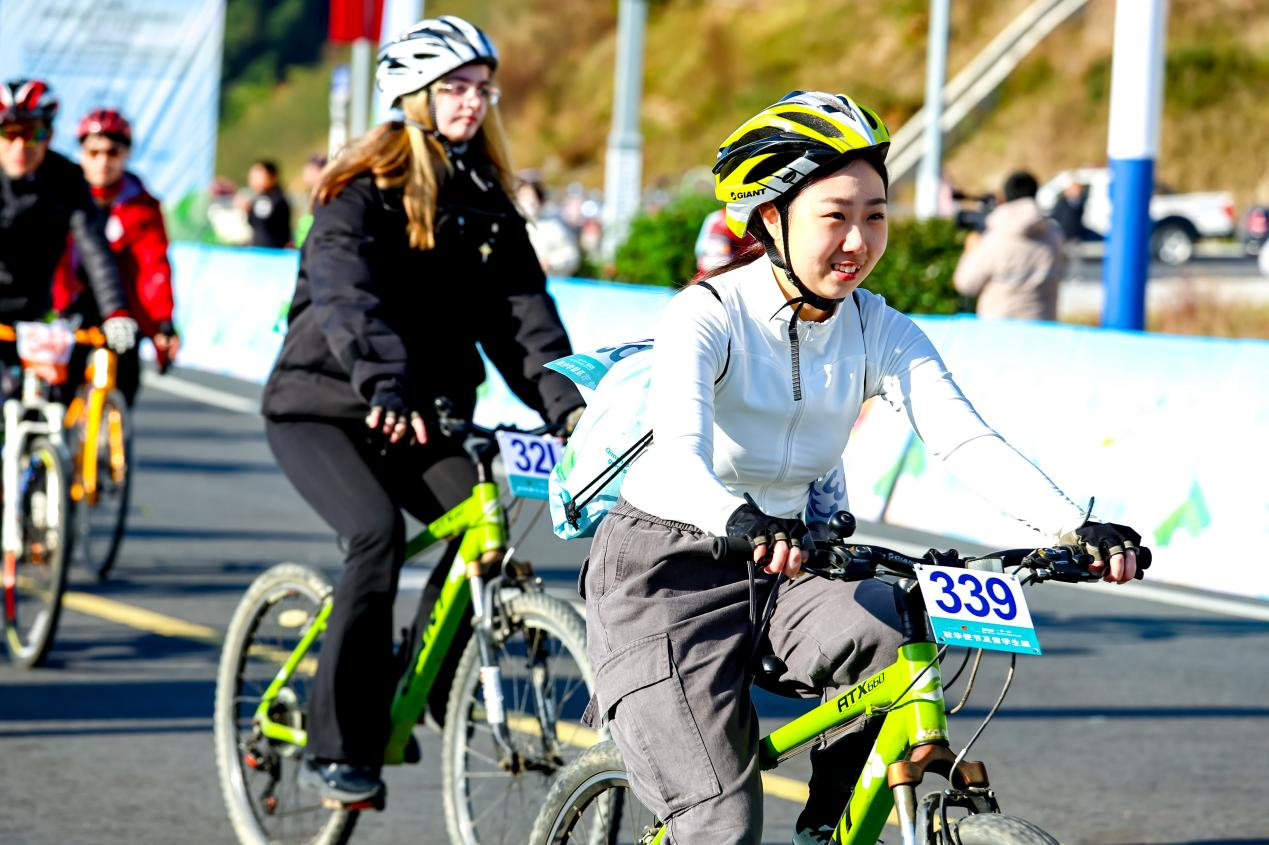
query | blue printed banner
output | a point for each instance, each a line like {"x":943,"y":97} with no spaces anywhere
{"x":986,"y":635}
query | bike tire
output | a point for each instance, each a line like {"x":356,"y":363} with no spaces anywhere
{"x":97,"y":541}
{"x":486,"y":803}
{"x":254,"y":649}
{"x":29,"y":644}
{"x":995,"y":829}
{"x":590,"y":802}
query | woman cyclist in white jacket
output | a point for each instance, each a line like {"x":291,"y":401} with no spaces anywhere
{"x":753,"y":395}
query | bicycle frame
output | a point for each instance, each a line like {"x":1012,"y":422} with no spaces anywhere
{"x":101,"y":380}
{"x":17,"y":430}
{"x":913,"y":737}
{"x":480,"y":521}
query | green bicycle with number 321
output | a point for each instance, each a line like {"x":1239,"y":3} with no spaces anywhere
{"x":972,"y":602}
{"x":511,"y":720}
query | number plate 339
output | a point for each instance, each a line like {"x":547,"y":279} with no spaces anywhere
{"x":977,"y":609}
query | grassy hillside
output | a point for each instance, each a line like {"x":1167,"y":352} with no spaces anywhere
{"x":709,"y":63}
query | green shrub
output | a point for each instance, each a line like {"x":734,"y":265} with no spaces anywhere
{"x":660,"y":249}
{"x":915,"y":274}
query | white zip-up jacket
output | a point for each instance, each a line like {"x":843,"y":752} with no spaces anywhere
{"x":770,"y":428}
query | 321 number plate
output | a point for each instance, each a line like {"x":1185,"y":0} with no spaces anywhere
{"x":528,"y":459}
{"x":978,"y":609}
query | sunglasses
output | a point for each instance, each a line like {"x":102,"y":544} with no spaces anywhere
{"x":112,"y":151}
{"x":32,"y":135}
{"x":462,"y":90}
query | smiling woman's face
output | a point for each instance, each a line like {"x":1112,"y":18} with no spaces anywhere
{"x":462,"y":101}
{"x":837,"y":229}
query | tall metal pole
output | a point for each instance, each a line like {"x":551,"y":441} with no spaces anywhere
{"x":359,"y":113}
{"x":927,"y":181}
{"x":623,"y":164}
{"x":1136,"y":100}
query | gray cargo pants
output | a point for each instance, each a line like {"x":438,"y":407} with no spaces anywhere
{"x":668,"y":629}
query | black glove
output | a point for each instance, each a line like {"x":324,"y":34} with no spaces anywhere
{"x":1103,"y":540}
{"x":391,"y":414}
{"x":760,"y":529}
{"x":387,"y":396}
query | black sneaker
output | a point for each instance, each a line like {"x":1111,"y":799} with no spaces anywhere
{"x":342,"y":782}
{"x":821,"y":835}
{"x":818,"y":820}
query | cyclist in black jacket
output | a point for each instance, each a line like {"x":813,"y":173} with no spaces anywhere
{"x":43,"y":198}
{"x":416,"y":254}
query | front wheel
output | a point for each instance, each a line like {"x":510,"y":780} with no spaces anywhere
{"x":35,"y":578}
{"x":493,"y":788}
{"x":590,"y":802}
{"x":258,"y":774}
{"x":993,"y":829}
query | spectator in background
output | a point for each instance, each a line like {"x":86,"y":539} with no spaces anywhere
{"x":269,"y":214}
{"x":555,"y":244}
{"x":1068,"y":211}
{"x":312,"y":176}
{"x":716,"y":244}
{"x":1014,"y":266}
{"x":226,"y":214}
{"x":138,"y":239}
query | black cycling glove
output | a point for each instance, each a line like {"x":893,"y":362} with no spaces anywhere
{"x":760,"y":529}
{"x":387,"y":395}
{"x":1103,"y":540}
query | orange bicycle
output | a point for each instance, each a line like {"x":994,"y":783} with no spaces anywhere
{"x":100,"y":439}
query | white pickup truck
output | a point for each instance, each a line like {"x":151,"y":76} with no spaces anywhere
{"x":1179,"y":219}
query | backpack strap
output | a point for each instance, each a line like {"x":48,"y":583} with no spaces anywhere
{"x":727,"y":362}
{"x":859,"y":309}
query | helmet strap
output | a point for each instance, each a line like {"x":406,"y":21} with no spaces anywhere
{"x":451,"y":150}
{"x":808,"y":296}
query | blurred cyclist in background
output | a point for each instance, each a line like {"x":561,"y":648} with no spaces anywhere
{"x":416,"y":254}
{"x":138,"y":238}
{"x":43,"y":197}
{"x":716,"y":243}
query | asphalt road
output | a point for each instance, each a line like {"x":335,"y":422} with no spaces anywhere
{"x":1144,"y":722}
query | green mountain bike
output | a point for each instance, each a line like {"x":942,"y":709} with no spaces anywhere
{"x":512,"y":716}
{"x":591,"y":801}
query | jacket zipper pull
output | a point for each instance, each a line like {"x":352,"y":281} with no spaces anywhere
{"x":795,"y":354}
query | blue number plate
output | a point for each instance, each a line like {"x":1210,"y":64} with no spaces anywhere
{"x":528,"y":460}
{"x":978,"y":609}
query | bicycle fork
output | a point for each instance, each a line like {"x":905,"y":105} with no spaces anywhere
{"x":491,"y":675}
{"x":512,"y":759}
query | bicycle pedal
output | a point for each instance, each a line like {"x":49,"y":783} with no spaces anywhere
{"x":377,"y":803}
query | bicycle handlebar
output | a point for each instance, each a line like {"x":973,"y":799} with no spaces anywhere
{"x":85,"y":337}
{"x":839,"y":560}
{"x":453,"y":426}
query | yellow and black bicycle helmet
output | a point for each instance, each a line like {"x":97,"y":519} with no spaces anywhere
{"x":773,"y":154}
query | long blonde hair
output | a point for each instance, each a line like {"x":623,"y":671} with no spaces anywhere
{"x":400,"y":155}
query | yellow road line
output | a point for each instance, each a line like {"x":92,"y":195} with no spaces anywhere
{"x":132,"y":616}
{"x":140,"y":618}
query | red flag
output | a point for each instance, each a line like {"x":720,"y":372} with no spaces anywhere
{"x":353,"y":19}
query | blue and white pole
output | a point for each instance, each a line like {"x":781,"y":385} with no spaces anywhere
{"x":1136,"y":100}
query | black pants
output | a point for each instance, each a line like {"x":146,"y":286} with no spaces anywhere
{"x":360,"y":488}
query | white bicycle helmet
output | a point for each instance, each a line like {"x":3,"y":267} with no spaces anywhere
{"x":427,"y":51}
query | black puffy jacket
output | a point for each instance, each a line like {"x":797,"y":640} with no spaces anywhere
{"x":368,"y":307}
{"x":36,"y":214}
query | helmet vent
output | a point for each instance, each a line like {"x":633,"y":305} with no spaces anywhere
{"x":811,"y":121}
